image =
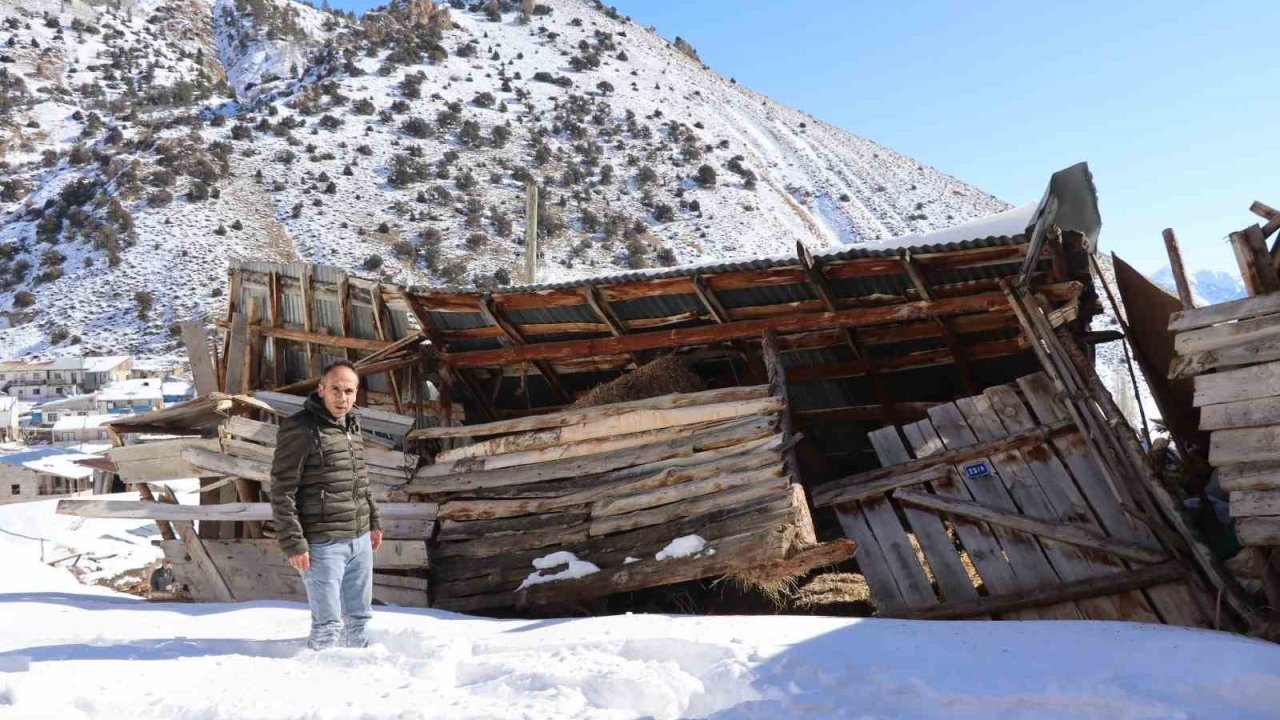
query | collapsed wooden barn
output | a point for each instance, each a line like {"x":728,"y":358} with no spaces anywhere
{"x":933,"y":398}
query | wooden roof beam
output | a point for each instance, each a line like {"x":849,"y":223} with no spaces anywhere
{"x":709,"y":299}
{"x":513,"y":336}
{"x":733,"y":330}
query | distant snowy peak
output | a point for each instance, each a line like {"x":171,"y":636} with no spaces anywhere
{"x":1208,"y":287}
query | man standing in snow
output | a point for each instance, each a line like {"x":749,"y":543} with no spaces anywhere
{"x":326,"y":521}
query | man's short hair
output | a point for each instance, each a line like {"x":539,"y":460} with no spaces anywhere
{"x":338,"y":364}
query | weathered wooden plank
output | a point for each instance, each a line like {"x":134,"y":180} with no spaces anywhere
{"x":1250,"y":503}
{"x":733,"y":554}
{"x":593,"y":414}
{"x":1227,"y":335}
{"x":850,"y":488}
{"x":582,"y":449}
{"x":237,"y":354}
{"x":212,"y":463}
{"x":479,"y":547}
{"x":731,"y":434}
{"x":870,"y":555}
{"x":1172,"y":602}
{"x":1258,"y":531}
{"x":1250,"y":476}
{"x":1062,"y":502}
{"x":935,"y":542}
{"x":1030,"y":567}
{"x":610,"y":548}
{"x":1244,"y":445}
{"x":1249,"y":353}
{"x":403,"y":597}
{"x":154,"y":462}
{"x":983,"y":548}
{"x":1066,"y":533}
{"x":461,"y":530}
{"x":1095,"y":588}
{"x":206,"y":575}
{"x":198,"y":353}
{"x":683,"y":491}
{"x":765,"y":487}
{"x":1255,"y":412}
{"x":631,"y":423}
{"x":1024,"y":488}
{"x":1225,"y":312}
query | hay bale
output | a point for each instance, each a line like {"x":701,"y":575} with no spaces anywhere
{"x":663,"y":376}
{"x":834,"y":589}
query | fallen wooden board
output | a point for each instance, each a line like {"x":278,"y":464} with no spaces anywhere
{"x":574,"y":417}
{"x":1249,"y":503}
{"x":614,"y":426}
{"x":1258,"y":531}
{"x":731,"y":555}
{"x":1072,"y":534}
{"x":142,"y":510}
{"x":1225,"y":312}
{"x":1244,"y":445}
{"x":158,"y":461}
{"x":881,"y":480}
{"x":1080,"y":590}
{"x":1258,"y":381}
{"x":455,"y":581}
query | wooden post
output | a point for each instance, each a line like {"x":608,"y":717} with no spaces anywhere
{"x":1179,"y":274}
{"x":531,"y":233}
{"x":1257,"y":268}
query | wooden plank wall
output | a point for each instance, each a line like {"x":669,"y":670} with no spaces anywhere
{"x":1027,"y":530}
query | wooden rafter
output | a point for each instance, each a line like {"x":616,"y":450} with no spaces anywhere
{"x":740,"y":329}
{"x":945,"y":329}
{"x":708,"y":298}
{"x":493,"y":314}
{"x":602,"y":310}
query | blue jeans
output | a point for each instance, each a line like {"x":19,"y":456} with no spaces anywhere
{"x":340,"y":592}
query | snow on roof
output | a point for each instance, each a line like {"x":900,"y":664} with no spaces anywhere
{"x":51,"y":460}
{"x":104,"y":363}
{"x":133,"y":389}
{"x":175,"y":387}
{"x":81,"y":422}
{"x":68,"y":401}
{"x":1003,"y":224}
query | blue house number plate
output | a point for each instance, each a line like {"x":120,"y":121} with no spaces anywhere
{"x":977,"y":469}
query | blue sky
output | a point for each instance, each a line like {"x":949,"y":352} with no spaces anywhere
{"x":1174,"y":104}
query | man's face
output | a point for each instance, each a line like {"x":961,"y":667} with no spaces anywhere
{"x":338,"y":391}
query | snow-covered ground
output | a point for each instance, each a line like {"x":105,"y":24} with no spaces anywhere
{"x":72,"y":651}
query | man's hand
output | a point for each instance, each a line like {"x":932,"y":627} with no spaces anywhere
{"x":301,"y":561}
{"x":375,"y":537}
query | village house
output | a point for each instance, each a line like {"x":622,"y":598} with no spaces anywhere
{"x":81,"y":431}
{"x":43,"y":472}
{"x":37,"y":381}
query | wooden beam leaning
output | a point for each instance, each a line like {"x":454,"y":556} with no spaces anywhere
{"x":1257,"y":267}
{"x":1179,"y":272}
{"x":882,"y":480}
{"x":1071,"y":534}
{"x":1272,"y":216}
{"x":708,"y":298}
{"x":202,"y":370}
{"x":1094,"y":587}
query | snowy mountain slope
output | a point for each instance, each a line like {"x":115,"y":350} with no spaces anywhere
{"x":71,"y":651}
{"x":395,"y":145}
